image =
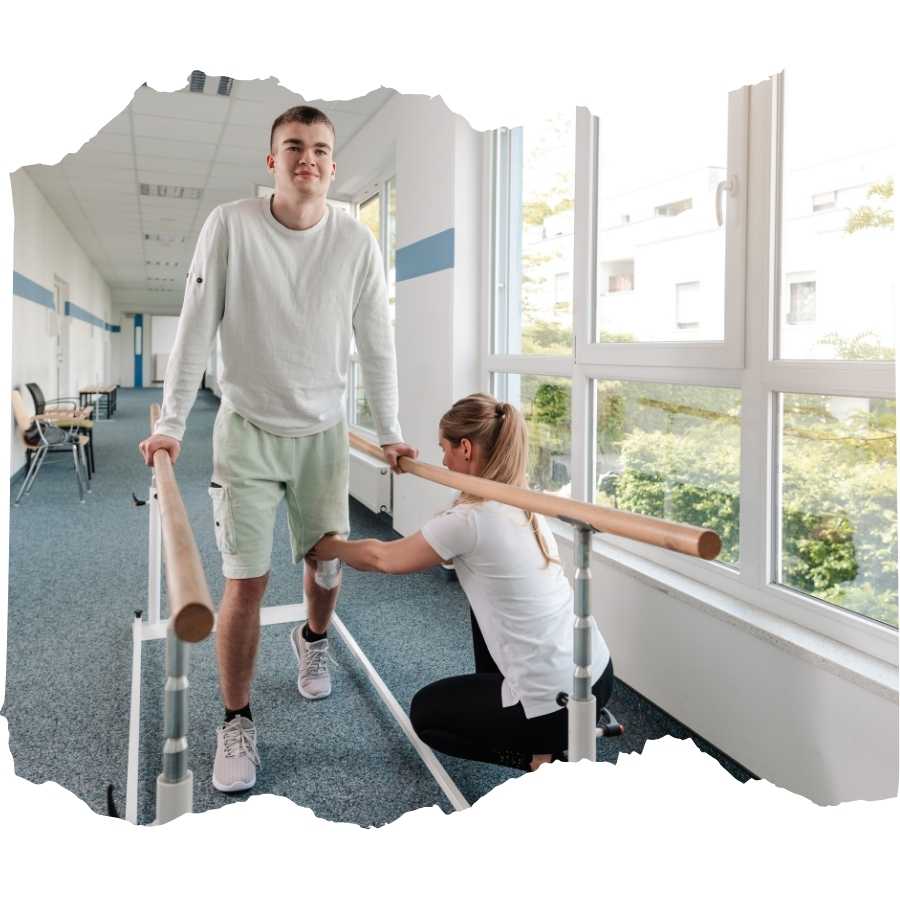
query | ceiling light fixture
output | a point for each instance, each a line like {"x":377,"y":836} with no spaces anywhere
{"x":198,"y":81}
{"x":225,"y":84}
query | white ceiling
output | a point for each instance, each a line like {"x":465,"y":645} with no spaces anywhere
{"x":142,"y":245}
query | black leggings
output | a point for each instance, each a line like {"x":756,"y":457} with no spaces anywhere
{"x":464,"y":716}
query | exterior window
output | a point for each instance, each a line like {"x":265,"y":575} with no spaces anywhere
{"x":838,"y":517}
{"x":672,"y":451}
{"x":848,"y":250}
{"x":620,"y":275}
{"x":546,"y":404}
{"x":534,"y":217}
{"x":377,"y":212}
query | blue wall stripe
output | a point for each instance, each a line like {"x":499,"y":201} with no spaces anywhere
{"x":30,"y":290}
{"x":27,"y":289}
{"x":431,"y":254}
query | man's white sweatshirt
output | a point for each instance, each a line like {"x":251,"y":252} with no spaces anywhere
{"x":285,"y":304}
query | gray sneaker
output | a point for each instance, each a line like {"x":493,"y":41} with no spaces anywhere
{"x":236,"y":756}
{"x":314,"y":679}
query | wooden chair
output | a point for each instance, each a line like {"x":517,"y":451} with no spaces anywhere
{"x":41,"y":438}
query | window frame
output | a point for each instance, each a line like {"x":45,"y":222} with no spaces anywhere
{"x":376,"y":187}
{"x":748,"y":361}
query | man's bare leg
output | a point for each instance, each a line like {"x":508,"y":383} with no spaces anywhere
{"x":237,"y":637}
{"x":320,"y":602}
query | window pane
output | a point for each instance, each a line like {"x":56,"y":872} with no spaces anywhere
{"x":839,"y":501}
{"x":838,"y":283}
{"x":673,"y":452}
{"x":546,"y":404}
{"x":657,"y":236}
{"x":362,"y":415}
{"x":541,"y":223}
{"x":370,"y":215}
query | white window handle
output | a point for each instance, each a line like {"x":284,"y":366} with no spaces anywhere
{"x":730,"y":185}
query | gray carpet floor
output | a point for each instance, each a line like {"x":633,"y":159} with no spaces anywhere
{"x":77,"y":574}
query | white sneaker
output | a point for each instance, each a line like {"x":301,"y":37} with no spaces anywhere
{"x":236,"y":756}
{"x":314,"y":680}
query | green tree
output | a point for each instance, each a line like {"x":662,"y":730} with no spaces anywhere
{"x":874,"y":217}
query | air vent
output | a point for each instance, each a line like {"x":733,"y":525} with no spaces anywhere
{"x":225,"y":84}
{"x":198,"y":81}
{"x":170,"y":191}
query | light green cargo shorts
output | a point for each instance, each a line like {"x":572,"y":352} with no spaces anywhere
{"x":253,"y":470}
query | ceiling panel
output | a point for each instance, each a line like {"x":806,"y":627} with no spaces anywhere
{"x":259,"y":114}
{"x":251,"y":137}
{"x":243,"y":157}
{"x":173,"y":164}
{"x":114,"y":141}
{"x":182,"y":179}
{"x":164,"y":127}
{"x":181,"y":105}
{"x":146,"y":146}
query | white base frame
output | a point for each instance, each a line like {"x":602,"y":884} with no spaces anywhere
{"x":274,"y":615}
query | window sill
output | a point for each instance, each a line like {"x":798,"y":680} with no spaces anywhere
{"x":845,"y":662}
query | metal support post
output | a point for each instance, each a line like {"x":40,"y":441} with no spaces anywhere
{"x":582,"y":704}
{"x":174,"y":785}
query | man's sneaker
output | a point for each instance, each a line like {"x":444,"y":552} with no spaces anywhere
{"x":314,"y":680}
{"x":236,"y":756}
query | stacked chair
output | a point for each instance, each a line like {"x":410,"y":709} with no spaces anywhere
{"x":41,"y":437}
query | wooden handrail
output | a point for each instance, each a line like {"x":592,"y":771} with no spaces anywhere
{"x":190,"y":606}
{"x":688,"y":539}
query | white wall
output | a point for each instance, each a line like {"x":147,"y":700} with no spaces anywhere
{"x":45,"y":250}
{"x":436,"y":157}
{"x":794,"y":720}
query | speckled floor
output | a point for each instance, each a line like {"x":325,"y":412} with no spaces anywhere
{"x":78,"y":573}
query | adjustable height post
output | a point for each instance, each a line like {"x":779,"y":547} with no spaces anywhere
{"x":174,"y":785}
{"x":582,"y":704}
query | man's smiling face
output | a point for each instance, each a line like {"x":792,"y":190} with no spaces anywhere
{"x":301,"y":159}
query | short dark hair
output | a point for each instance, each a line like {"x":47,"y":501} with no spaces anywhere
{"x":306,"y":115}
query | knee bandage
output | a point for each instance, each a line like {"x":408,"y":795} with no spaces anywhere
{"x":327,"y":573}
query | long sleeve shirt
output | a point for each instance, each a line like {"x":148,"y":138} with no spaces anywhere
{"x":285,"y":303}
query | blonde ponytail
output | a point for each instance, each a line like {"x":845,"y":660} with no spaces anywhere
{"x":499,"y":431}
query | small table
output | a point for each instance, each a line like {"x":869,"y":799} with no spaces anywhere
{"x":106,"y":398}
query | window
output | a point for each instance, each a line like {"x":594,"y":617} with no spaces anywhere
{"x":838,"y":501}
{"x":377,"y":210}
{"x":848,"y":247}
{"x":688,"y":305}
{"x":674,"y":209}
{"x":535,"y":216}
{"x":645,"y":409}
{"x":671,"y":451}
{"x":619,"y":274}
{"x":828,"y":200}
{"x":546,"y":404}
{"x":655,"y":212}
{"x":802,"y":302}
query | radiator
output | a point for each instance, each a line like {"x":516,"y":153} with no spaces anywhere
{"x":370,"y":482}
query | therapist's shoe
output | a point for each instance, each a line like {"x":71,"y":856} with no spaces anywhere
{"x":314,"y":679}
{"x":236,"y":755}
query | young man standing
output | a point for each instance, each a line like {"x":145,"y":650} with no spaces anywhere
{"x":285,"y":281}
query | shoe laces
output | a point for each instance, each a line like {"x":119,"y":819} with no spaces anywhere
{"x":316,"y":659}
{"x":240,"y":739}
